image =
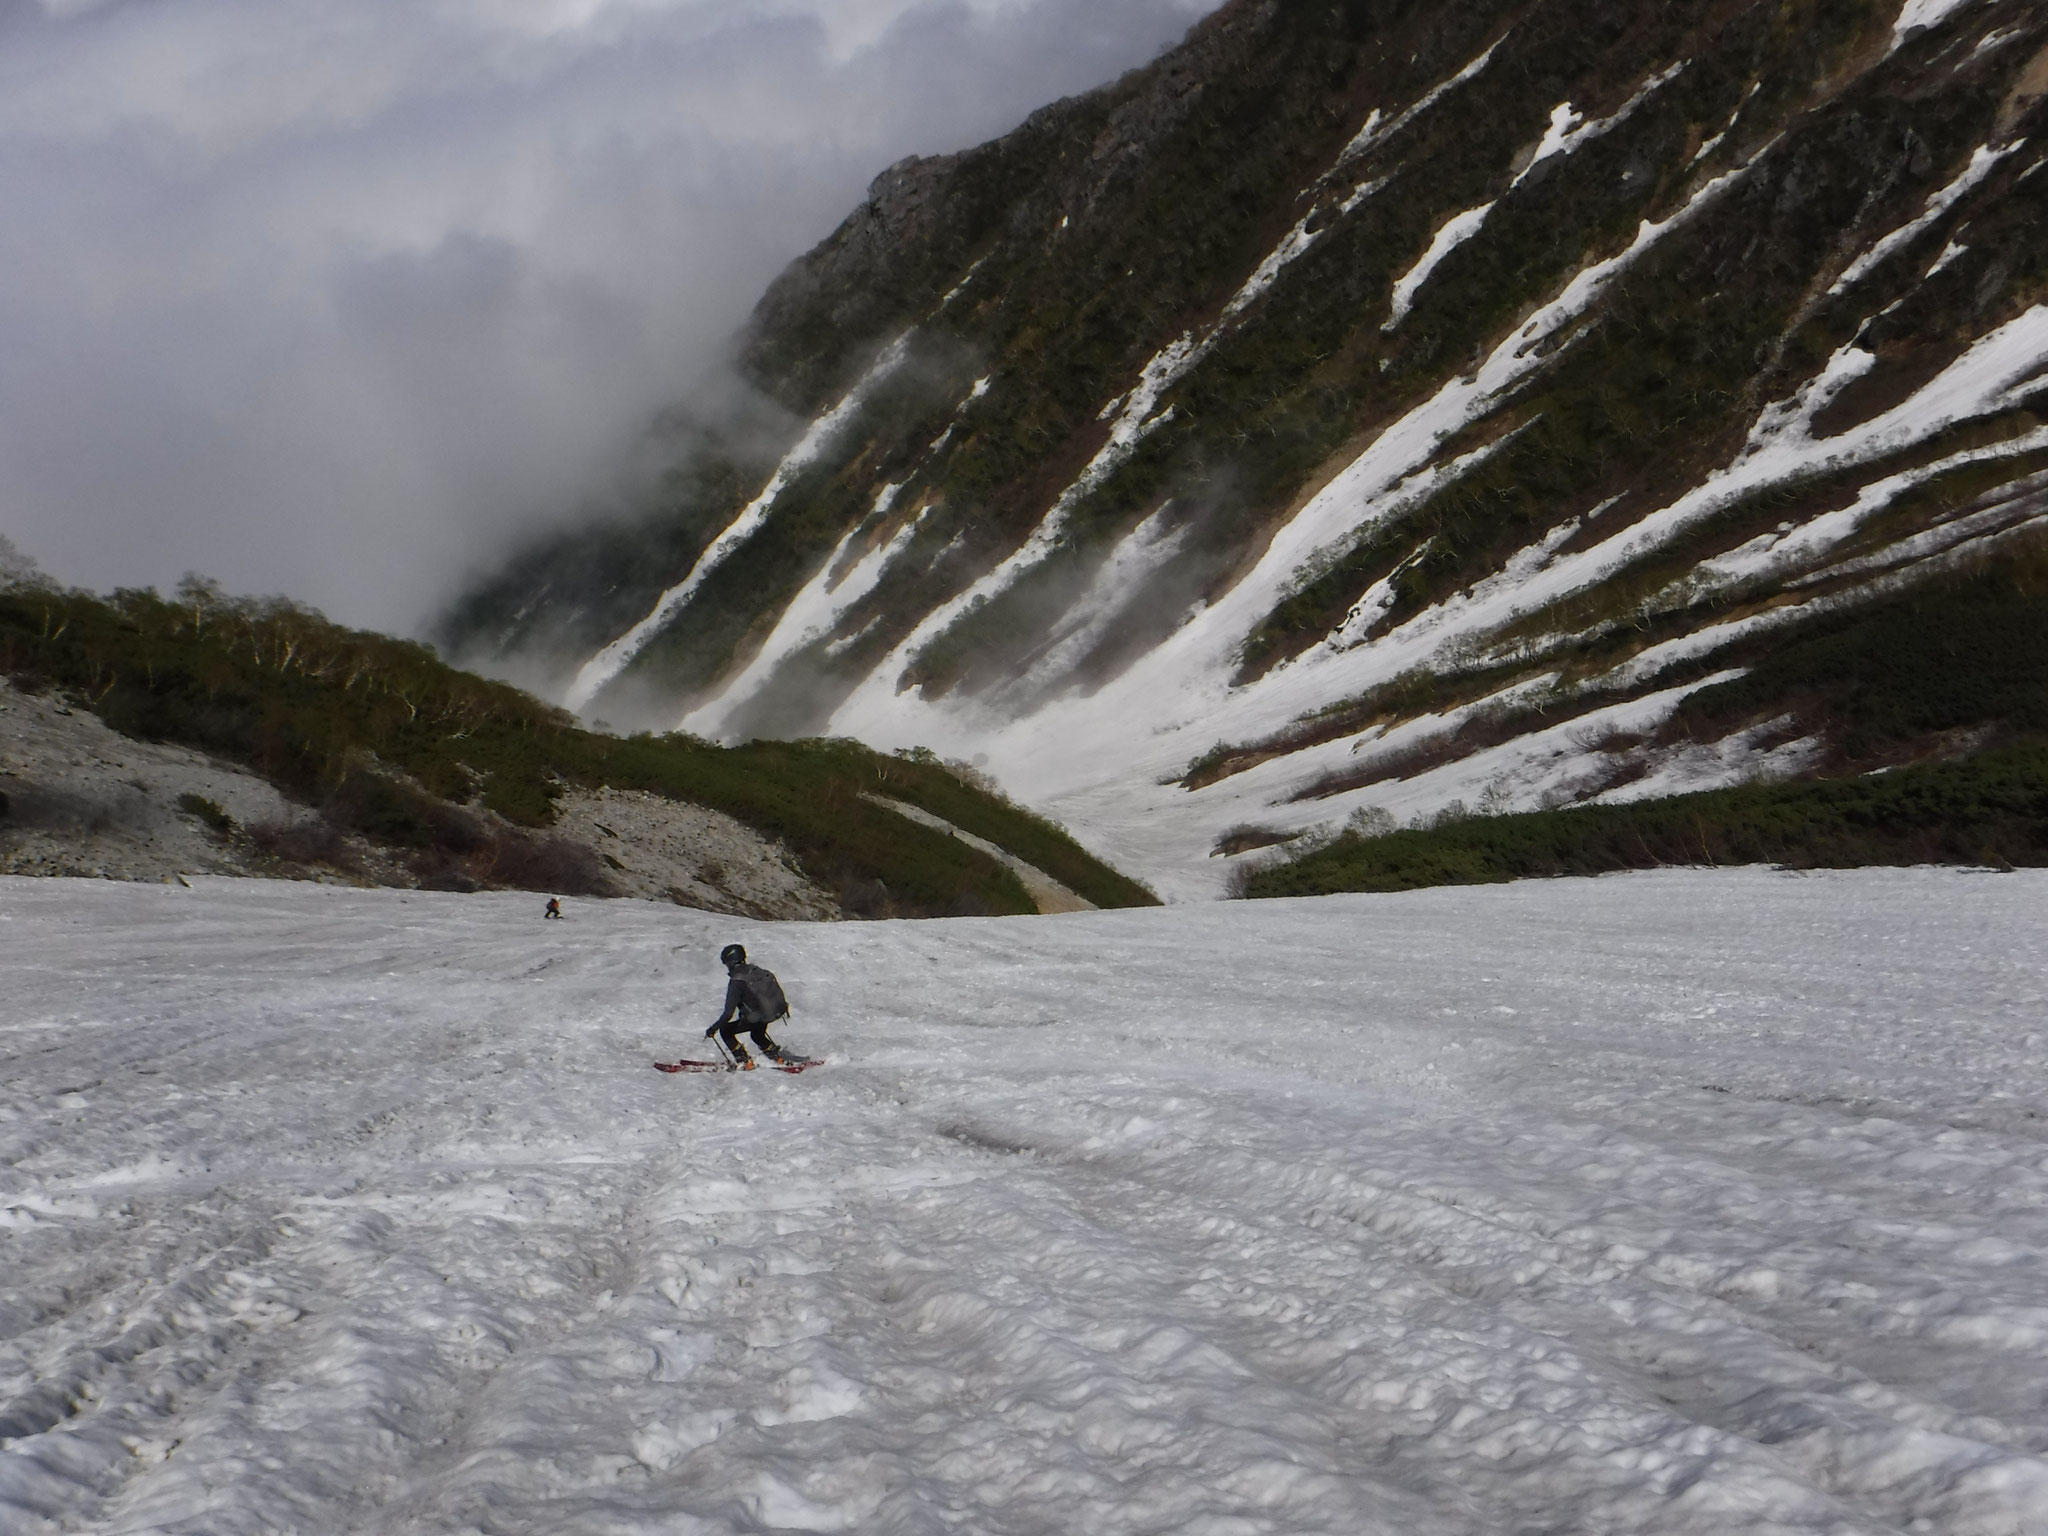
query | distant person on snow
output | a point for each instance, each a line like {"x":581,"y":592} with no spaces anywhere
{"x":554,"y":907}
{"x":753,"y":1001}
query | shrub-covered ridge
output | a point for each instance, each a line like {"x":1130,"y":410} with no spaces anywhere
{"x":1991,"y":810}
{"x":390,"y":743}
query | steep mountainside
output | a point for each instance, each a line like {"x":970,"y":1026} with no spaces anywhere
{"x":1373,"y":404}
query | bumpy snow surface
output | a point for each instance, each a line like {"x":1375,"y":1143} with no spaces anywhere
{"x":1689,"y":1202}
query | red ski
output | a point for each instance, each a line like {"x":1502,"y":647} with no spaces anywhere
{"x":791,"y":1067}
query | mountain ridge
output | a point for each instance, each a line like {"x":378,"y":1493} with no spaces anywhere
{"x":1354,"y":344}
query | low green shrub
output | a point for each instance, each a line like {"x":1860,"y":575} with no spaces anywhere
{"x":1989,"y":810}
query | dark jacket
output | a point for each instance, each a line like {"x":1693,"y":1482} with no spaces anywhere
{"x":752,"y":996}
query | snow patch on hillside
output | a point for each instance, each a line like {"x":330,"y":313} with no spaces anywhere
{"x":831,"y":593}
{"x":1998,"y":373}
{"x":1177,"y":699}
{"x":812,"y":615}
{"x":1134,"y":416}
{"x":1747,"y":757}
{"x":1782,"y":553}
{"x":1454,"y":232}
{"x":1569,"y":129}
{"x":1119,"y":582}
{"x":1135,"y":421}
{"x":1983,"y":161}
{"x":1353,"y":500}
{"x":2013,"y":510}
{"x":1653,"y":659}
{"x":1918,"y":15}
{"x":1373,"y":133}
{"x":1530,"y":772}
{"x":1294,"y":244}
{"x":613,"y":659}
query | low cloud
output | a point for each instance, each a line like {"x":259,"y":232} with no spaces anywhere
{"x":337,"y":297}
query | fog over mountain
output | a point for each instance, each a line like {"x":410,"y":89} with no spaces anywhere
{"x":330,"y":298}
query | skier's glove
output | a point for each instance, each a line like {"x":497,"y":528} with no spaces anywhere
{"x":710,"y":1032}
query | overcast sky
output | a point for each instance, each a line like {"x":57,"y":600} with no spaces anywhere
{"x":335,"y":297}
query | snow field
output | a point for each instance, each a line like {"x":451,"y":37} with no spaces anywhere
{"x":1690,"y":1202}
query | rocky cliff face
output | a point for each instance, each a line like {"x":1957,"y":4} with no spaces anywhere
{"x":1368,"y":405}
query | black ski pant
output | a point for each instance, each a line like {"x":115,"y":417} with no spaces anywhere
{"x":730,"y":1034}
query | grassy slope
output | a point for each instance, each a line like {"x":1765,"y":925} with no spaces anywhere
{"x":924,"y":782}
{"x":320,"y":711}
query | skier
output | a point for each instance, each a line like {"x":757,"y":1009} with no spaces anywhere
{"x":554,"y":907}
{"x":753,"y":1001}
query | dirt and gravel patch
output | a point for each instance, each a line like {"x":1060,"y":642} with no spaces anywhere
{"x":694,"y":856}
{"x":82,"y":799}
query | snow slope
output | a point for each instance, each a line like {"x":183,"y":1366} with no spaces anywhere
{"x":1687,"y":1202}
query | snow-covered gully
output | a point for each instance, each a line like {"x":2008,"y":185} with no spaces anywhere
{"x":1700,"y":1201}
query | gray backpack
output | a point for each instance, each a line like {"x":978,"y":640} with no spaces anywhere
{"x":764,"y":1000}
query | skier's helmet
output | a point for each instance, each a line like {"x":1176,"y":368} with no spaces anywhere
{"x":731,"y":956}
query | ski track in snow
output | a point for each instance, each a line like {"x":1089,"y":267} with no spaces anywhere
{"x":1697,"y":1201}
